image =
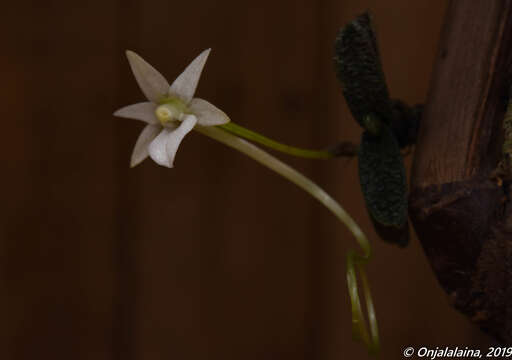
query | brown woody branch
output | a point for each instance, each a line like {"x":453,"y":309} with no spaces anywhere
{"x":462,"y":216}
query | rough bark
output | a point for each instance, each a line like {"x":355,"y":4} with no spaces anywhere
{"x":462,"y":216}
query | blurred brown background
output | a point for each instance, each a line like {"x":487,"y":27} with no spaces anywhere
{"x":217,"y":258}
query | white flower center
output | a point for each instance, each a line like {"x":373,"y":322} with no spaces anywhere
{"x":167,"y":113}
{"x":171,"y":109}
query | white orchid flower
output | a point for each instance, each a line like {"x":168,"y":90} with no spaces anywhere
{"x":171,"y":112}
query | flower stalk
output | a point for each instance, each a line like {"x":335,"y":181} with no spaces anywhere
{"x":263,"y":140}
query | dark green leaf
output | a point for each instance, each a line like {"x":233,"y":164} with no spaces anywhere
{"x":359,"y":70}
{"x":384,"y":184}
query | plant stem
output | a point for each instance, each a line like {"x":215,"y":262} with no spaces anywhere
{"x":354,"y":260}
{"x":263,"y":140}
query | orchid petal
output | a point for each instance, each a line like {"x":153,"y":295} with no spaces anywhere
{"x":164,"y":147}
{"x":157,"y":150}
{"x":207,"y":114}
{"x":186,"y":83}
{"x":144,"y":111}
{"x":140,"y":151}
{"x":150,"y":81}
